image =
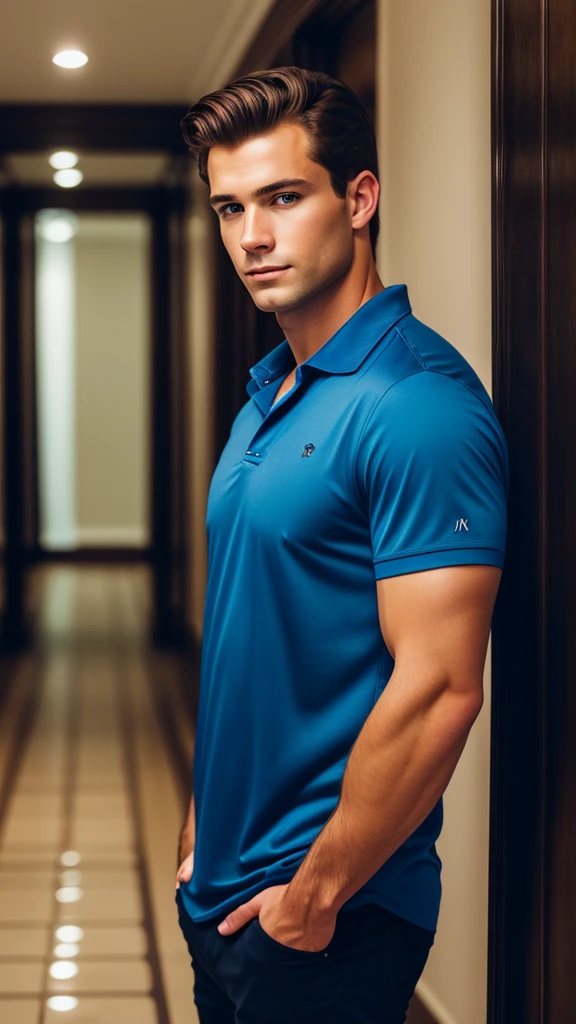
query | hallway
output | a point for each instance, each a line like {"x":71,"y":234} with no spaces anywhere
{"x":91,"y":802}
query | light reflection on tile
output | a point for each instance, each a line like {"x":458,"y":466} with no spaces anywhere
{"x":106,"y":976}
{"x":105,"y":1011}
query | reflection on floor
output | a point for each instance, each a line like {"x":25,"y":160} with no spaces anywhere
{"x":90,"y":808}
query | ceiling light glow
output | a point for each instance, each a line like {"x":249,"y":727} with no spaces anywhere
{"x":68,"y":178}
{"x":63,"y":160}
{"x":70,"y":59}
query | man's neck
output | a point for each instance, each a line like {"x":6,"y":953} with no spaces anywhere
{"x":309,"y":326}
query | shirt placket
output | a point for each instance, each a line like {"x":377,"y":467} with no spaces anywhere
{"x":264,"y":436}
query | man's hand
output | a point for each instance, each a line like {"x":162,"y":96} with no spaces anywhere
{"x":184,"y":873}
{"x":283,"y":920}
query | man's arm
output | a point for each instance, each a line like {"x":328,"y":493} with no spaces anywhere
{"x":436,"y":625}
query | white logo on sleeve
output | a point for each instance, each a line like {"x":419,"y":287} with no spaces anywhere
{"x":461,"y":524}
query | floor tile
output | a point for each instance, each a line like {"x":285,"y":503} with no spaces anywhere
{"x":42,"y":831}
{"x":23,"y":942}
{"x":103,"y":905}
{"x":20,"y":1011}
{"x":100,"y":940}
{"x":32,"y":860}
{"x":21,"y":978}
{"x":26,"y":905}
{"x":41,"y":878}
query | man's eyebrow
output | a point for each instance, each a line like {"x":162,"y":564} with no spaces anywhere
{"x":228,"y":197}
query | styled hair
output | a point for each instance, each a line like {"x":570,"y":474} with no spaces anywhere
{"x":339,"y":126}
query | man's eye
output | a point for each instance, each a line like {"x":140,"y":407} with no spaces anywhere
{"x":293,"y":195}
{"x":283,"y":195}
{"x":224,"y":208}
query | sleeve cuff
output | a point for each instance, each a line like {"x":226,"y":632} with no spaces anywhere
{"x":397,"y":566}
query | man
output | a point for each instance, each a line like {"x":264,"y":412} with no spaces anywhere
{"x":356,"y":534}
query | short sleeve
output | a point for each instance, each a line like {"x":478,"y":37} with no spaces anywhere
{"x":432,"y":472}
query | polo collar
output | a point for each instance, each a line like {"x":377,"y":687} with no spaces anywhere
{"x":348,"y":347}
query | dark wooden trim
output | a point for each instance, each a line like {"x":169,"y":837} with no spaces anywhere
{"x":168,"y":404}
{"x":90,"y":554}
{"x":283,"y":23}
{"x":532,"y":923}
{"x":14,"y":632}
{"x":102,"y":200}
{"x":29,"y":127}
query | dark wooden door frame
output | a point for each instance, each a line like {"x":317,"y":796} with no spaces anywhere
{"x":532,"y":911}
{"x":166,"y":207}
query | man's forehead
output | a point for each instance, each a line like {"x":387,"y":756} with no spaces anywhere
{"x":281,"y":153}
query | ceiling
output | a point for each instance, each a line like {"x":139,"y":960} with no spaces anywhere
{"x":140,"y":51}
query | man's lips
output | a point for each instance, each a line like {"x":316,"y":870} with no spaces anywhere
{"x":266,"y":272}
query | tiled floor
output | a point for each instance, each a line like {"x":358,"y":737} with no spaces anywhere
{"x":90,"y":811}
{"x":91,"y":804}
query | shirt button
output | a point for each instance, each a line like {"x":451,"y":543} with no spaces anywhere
{"x":248,"y":453}
{"x":267,"y":381}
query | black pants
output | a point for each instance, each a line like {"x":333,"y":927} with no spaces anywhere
{"x":366,"y":975}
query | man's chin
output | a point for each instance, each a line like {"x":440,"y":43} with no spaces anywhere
{"x":276,"y":300}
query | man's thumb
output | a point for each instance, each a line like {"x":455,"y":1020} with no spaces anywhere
{"x":185,"y":869}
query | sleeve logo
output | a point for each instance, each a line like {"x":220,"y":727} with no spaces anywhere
{"x":461,"y":524}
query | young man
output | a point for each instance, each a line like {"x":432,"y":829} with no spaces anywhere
{"x":356,"y":530}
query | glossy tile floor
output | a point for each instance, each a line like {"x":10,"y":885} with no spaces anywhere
{"x":90,"y":809}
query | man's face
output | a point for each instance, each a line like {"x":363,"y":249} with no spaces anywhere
{"x":302,"y":227}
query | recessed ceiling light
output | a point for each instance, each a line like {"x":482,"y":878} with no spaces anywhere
{"x":70,"y":59}
{"x":63,"y":159}
{"x":68,"y":178}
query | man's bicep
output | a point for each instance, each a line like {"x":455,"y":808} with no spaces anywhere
{"x":438,"y":621}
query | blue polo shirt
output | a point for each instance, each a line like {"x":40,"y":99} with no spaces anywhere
{"x":385,"y":458}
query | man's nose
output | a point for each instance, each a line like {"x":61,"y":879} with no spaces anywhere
{"x":256,"y":233}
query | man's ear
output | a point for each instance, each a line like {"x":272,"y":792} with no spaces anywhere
{"x":364,"y":192}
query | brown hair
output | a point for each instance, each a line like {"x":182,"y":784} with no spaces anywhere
{"x":339,"y":126}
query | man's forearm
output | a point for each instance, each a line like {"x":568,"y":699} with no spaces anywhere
{"x":399,"y":766}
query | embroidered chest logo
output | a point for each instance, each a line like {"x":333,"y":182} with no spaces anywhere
{"x":461,"y":524}
{"x":308,"y":449}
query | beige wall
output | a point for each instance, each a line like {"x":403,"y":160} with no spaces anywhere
{"x":200,"y":341}
{"x":433,"y":125}
{"x":112,"y":379}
